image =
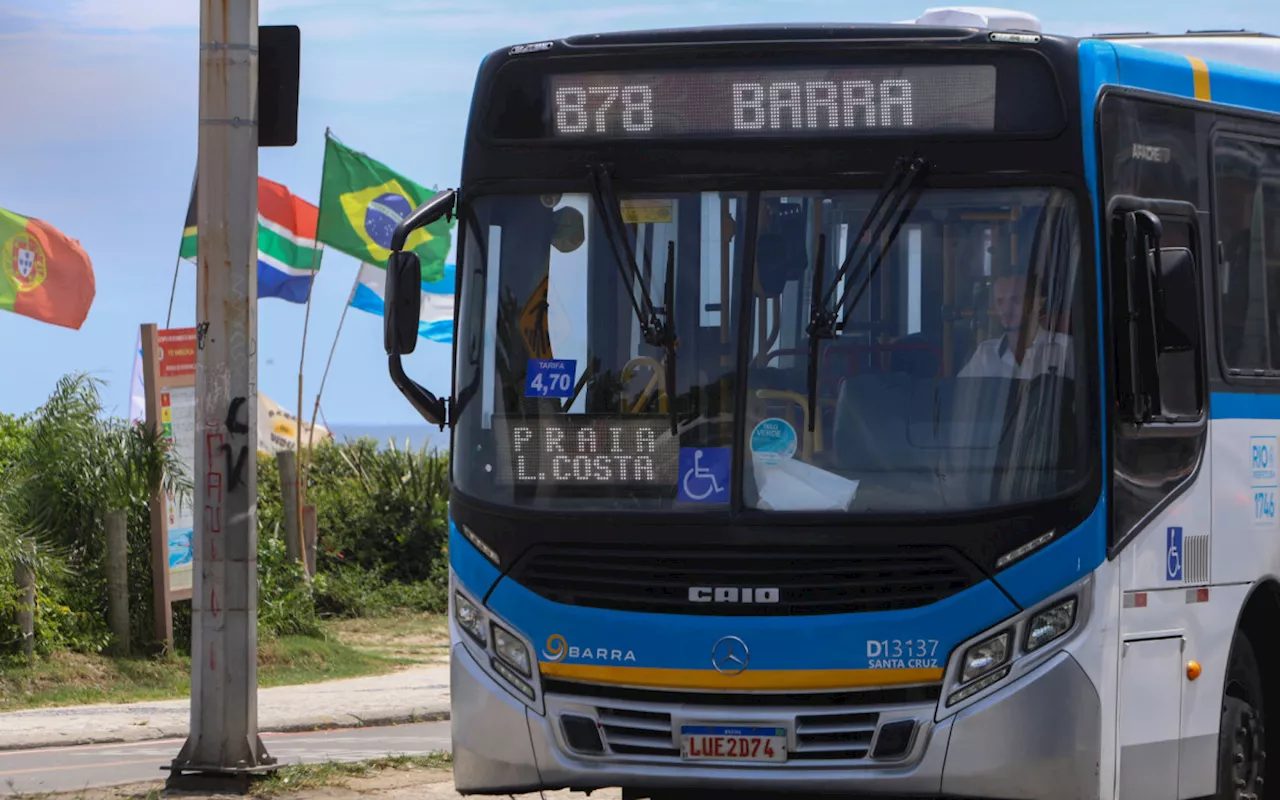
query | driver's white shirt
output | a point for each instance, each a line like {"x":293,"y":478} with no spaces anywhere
{"x":1049,"y":352}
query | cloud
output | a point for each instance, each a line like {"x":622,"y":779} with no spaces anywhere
{"x":79,"y":87}
{"x":488,"y":20}
{"x":141,"y":15}
{"x":335,"y":74}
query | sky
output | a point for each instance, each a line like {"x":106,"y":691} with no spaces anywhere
{"x":99,"y":129}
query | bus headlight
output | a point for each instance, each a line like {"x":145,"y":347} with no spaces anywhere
{"x":1012,"y":648}
{"x":984,"y":657}
{"x":511,"y":650}
{"x":470,"y":618}
{"x":1050,"y":624}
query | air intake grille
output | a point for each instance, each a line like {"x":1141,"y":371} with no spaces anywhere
{"x":828,"y":728}
{"x":1196,"y":555}
{"x":809,"y":581}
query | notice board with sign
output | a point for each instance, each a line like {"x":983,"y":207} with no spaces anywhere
{"x":169,"y":380}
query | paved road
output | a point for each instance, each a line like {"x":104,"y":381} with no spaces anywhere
{"x":69,"y":769}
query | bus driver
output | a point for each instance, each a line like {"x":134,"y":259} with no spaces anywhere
{"x":1007,"y":356}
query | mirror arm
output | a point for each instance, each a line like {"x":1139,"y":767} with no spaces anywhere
{"x":432,"y":408}
{"x":441,"y":205}
{"x":426,"y":403}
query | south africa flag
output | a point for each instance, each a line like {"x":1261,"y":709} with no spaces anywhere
{"x":287,"y":254}
{"x":361,"y":203}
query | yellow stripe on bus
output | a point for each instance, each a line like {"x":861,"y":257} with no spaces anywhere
{"x":1200,"y":73}
{"x":750,"y":680}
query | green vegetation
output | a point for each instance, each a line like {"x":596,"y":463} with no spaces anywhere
{"x":79,"y":678}
{"x":381,"y":517}
{"x":298,"y":777}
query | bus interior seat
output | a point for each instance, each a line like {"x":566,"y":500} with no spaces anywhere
{"x":944,"y":442}
{"x":917,"y":356}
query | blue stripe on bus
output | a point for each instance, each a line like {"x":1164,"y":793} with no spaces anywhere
{"x":1072,"y":556}
{"x":1244,"y":87}
{"x":917,"y":638}
{"x":1244,"y":405}
{"x":1098,"y":67}
{"x":1155,"y":70}
{"x":475,"y":572}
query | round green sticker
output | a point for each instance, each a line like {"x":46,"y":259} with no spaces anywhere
{"x":773,"y":441}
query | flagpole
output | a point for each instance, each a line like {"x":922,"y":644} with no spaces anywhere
{"x":311,"y":435}
{"x":168,"y":320}
{"x":302,"y":461}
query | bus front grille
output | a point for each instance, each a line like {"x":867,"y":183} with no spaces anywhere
{"x":744,"y":582}
{"x":641,"y":731}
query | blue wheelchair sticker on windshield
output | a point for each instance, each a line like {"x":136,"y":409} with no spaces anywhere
{"x":704,"y":474}
{"x":773,"y":441}
{"x":550,"y":377}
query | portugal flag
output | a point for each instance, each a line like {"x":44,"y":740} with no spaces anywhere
{"x":44,"y":274}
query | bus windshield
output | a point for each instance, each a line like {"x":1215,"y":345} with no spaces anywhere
{"x":952,"y":381}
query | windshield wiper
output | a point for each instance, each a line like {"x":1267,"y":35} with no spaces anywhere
{"x":657,"y":330}
{"x":822,"y":314}
{"x":669,"y":330}
{"x":815,"y":302}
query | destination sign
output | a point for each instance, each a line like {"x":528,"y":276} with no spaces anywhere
{"x":792,"y":102}
{"x":587,"y":450}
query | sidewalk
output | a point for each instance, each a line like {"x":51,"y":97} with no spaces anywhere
{"x":418,"y":694}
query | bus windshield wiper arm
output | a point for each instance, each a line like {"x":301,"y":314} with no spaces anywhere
{"x":822,"y":314}
{"x":669,"y":340}
{"x":815,"y":302}
{"x":903,"y":204}
{"x":656,"y":330}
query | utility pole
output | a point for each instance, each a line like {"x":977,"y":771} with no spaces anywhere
{"x":223,"y":748}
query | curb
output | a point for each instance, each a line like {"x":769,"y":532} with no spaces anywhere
{"x":376,"y":721}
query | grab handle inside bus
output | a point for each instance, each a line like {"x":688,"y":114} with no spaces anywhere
{"x":403,"y":306}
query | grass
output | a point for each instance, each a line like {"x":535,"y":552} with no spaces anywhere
{"x":420,"y":638}
{"x":77,"y":679}
{"x":299,"y":777}
{"x":288,"y":780}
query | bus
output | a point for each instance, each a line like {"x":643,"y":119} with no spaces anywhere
{"x":877,"y":409}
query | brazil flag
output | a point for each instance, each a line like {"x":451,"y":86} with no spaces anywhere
{"x":361,"y":203}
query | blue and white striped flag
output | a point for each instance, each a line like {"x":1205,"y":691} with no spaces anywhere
{"x":436,"y":323}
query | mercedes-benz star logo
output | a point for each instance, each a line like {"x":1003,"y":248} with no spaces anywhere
{"x":730,"y":655}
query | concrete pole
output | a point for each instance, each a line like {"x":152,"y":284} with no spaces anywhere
{"x":287,"y":462}
{"x":223,"y":746}
{"x":118,"y":579}
{"x":25,"y":578}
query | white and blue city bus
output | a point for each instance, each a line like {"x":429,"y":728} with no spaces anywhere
{"x":884,"y":410}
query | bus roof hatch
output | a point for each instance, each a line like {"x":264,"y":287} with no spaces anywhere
{"x":994,"y":19}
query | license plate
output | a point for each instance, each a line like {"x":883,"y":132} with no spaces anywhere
{"x":732,"y":743}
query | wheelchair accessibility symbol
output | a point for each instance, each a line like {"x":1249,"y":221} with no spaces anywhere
{"x":704,"y":474}
{"x":1173,"y":554}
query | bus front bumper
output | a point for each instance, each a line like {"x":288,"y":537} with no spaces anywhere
{"x":1037,"y":739}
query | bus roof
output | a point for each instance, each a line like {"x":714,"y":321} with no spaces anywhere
{"x":1249,"y":49}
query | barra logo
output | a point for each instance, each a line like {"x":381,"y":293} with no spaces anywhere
{"x":558,"y":649}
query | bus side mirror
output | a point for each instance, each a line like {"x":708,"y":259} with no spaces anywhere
{"x":403,"y":306}
{"x":403,"y":303}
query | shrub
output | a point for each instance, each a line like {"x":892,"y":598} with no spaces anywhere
{"x":382,"y":510}
{"x":286,"y":603}
{"x":381,"y":517}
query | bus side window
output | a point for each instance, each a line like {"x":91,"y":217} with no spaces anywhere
{"x":1247,"y":294}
